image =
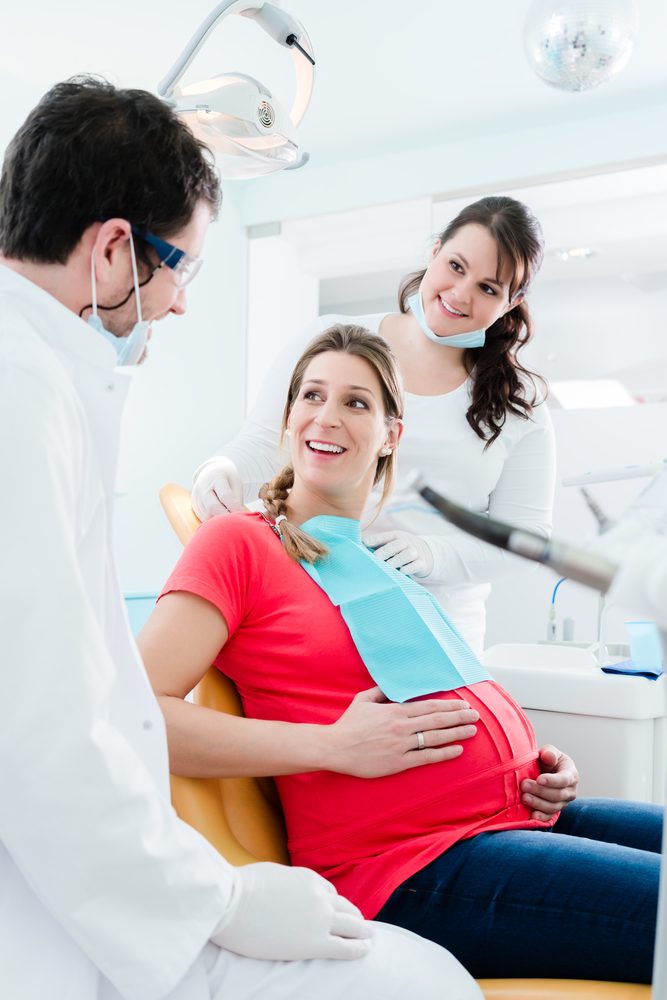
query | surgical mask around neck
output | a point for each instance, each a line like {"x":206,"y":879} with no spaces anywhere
{"x":475,"y":338}
{"x":128,"y":349}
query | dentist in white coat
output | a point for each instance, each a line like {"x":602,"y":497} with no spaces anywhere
{"x":104,"y":893}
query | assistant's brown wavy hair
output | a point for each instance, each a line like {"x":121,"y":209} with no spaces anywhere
{"x":500,"y":383}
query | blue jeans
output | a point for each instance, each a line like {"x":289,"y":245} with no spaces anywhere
{"x":575,"y":902}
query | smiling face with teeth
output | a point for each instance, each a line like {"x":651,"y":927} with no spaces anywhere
{"x":337,"y":428}
{"x":463,"y":288}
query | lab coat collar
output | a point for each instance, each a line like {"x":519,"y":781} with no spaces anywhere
{"x":62,"y":329}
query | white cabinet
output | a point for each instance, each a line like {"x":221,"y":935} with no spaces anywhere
{"x":613,"y":726}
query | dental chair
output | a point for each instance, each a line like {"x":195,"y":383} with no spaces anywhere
{"x":242,"y":818}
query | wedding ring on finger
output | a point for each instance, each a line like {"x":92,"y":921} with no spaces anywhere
{"x":421,"y":742}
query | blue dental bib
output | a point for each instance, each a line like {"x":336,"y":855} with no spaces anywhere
{"x":409,"y":646}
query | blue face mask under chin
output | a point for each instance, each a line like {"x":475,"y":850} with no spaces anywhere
{"x":128,"y":349}
{"x":475,"y":338}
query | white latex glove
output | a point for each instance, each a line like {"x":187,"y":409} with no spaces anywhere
{"x":401,"y":549}
{"x":216,"y":489}
{"x":289,"y":914}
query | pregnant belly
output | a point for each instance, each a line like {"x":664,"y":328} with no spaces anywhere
{"x":332,"y":817}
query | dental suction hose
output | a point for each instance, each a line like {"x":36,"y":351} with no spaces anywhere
{"x":567,"y":560}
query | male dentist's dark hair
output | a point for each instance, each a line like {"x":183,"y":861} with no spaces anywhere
{"x":89,"y":152}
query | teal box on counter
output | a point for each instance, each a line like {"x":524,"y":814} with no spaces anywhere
{"x":645,"y":647}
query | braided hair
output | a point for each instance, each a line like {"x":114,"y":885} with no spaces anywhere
{"x":298,"y":545}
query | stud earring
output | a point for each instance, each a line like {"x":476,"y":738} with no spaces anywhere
{"x":385,"y":452}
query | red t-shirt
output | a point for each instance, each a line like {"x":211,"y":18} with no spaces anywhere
{"x":292,"y":658}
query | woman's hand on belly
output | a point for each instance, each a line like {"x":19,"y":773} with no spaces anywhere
{"x":374,"y":737}
{"x":555,"y":786}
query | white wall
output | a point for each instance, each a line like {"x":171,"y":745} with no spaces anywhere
{"x":282,"y":298}
{"x":599,"y":328}
{"x":186,"y":400}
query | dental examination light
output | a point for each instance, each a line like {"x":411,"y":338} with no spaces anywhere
{"x":567,"y":560}
{"x":236,"y":115}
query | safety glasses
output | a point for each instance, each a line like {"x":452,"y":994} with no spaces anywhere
{"x":181,"y":264}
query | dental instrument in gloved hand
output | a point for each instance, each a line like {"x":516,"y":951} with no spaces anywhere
{"x":568,"y":560}
{"x":217,"y":488}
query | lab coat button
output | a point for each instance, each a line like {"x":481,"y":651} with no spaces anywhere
{"x":110,"y":386}
{"x":147,"y":724}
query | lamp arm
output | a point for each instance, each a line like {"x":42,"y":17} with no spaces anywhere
{"x":288,"y":32}
{"x":166,"y":85}
{"x":278,"y":25}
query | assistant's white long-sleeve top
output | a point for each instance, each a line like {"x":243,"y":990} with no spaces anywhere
{"x":104,"y":892}
{"x":512,"y":480}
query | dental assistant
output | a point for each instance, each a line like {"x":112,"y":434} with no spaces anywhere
{"x":105,"y":199}
{"x":476,"y":425}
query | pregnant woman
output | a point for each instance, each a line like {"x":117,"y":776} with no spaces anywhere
{"x":472,"y":851}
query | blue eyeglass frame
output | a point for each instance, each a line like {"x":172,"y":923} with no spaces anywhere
{"x":169,"y":255}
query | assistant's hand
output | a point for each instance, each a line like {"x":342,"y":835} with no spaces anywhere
{"x":217,"y":489}
{"x":402,"y":550}
{"x":555,"y":786}
{"x":289,"y":914}
{"x":374,"y":737}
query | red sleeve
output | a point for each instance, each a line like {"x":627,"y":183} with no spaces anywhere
{"x":223,"y":563}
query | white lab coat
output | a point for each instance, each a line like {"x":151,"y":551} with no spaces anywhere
{"x":104,"y":892}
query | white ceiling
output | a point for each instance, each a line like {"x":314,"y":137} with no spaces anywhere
{"x":389,"y":75}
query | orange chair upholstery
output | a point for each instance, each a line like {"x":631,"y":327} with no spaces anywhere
{"x":176,"y":504}
{"x":561,"y":989}
{"x":241,"y":817}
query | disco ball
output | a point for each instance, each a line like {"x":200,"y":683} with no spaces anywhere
{"x":579,"y":44}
